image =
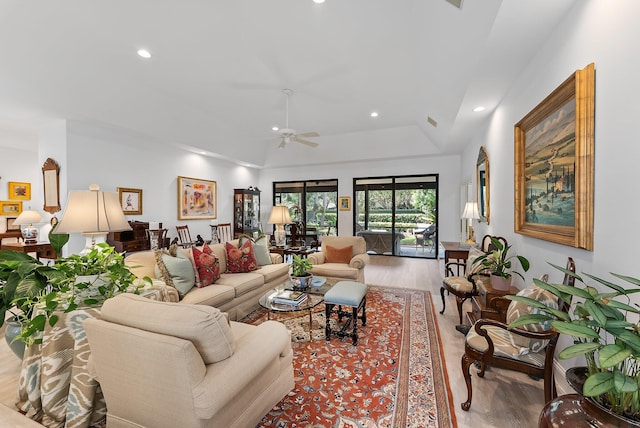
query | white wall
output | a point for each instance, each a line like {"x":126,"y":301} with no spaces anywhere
{"x":448,"y":168}
{"x":594,"y":31}
{"x":20,"y":165}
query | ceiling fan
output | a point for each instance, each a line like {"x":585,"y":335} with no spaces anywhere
{"x":287,"y":134}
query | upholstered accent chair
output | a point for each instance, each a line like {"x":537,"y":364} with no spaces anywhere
{"x":464,"y":286}
{"x":341,"y":257}
{"x":163,"y":364}
{"x":529,"y":349}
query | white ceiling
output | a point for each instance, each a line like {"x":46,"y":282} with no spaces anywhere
{"x":218,"y":69}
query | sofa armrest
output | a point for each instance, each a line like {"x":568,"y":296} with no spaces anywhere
{"x":276,"y":258}
{"x":316,"y":258}
{"x":359,"y":261}
{"x":268,"y":341}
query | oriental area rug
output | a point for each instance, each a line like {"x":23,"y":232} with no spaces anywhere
{"x":394,"y":377}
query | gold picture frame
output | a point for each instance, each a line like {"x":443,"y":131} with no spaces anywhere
{"x":554,"y":160}
{"x":344,"y":203}
{"x":10,"y":208}
{"x":19,"y":191}
{"x":130,"y":200}
{"x":196,"y":199}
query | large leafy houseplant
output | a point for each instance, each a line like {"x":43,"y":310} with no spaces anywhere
{"x":499,"y":262}
{"x":606,"y":330}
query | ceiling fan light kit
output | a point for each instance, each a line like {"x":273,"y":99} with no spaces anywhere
{"x":287,"y":134}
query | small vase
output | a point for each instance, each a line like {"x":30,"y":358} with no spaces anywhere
{"x":500,"y":283}
{"x":13,"y":329}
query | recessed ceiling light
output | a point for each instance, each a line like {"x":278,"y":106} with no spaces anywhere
{"x":275,"y":128}
{"x":374,"y":114}
{"x":144,"y":53}
{"x":318,"y":1}
{"x":479,"y":109}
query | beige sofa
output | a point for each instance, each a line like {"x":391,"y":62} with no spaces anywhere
{"x":353,"y":270}
{"x":234,"y":293}
{"x":171,"y":365}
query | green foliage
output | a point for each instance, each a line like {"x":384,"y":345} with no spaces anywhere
{"x":606,"y":330}
{"x":300,"y":265}
{"x":500,"y":263}
{"x":57,"y":240}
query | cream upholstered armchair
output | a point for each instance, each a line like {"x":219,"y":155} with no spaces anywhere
{"x":341,"y":257}
{"x":163,"y":364}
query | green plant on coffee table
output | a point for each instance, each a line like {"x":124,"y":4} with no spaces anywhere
{"x":300,"y":266}
{"x":499,"y":262}
{"x":606,"y":330}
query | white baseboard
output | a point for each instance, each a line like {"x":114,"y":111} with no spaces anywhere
{"x":562,"y":386}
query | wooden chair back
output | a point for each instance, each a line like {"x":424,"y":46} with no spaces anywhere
{"x":225,"y":234}
{"x":184,"y":237}
{"x":486,"y":245}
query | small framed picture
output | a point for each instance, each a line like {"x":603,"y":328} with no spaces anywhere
{"x":19,"y":191}
{"x":344,"y":202}
{"x":10,"y":208}
{"x":11,"y":227}
{"x":130,"y":200}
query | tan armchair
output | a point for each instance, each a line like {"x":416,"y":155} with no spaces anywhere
{"x":165,"y":364}
{"x":332,"y":262}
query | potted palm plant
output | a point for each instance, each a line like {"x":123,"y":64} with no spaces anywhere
{"x":300,"y":275}
{"x":501,"y":264}
{"x":606,"y":332}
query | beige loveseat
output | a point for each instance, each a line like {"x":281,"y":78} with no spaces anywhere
{"x":172,"y":365}
{"x":351,"y":268}
{"x":234,"y":293}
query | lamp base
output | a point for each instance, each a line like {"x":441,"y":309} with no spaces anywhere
{"x":280,"y":236}
{"x":30,"y":234}
{"x":91,"y":239}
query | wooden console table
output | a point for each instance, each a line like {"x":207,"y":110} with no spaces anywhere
{"x":455,"y":251}
{"x":42,"y":249}
{"x":11,"y":234}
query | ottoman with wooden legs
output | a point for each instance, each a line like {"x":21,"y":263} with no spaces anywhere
{"x":348,"y":294}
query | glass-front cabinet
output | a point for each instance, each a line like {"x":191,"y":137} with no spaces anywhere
{"x":246,"y":211}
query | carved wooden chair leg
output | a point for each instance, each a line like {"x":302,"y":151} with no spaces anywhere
{"x":459,"y":301}
{"x":466,"y":364}
{"x":443,"y":302}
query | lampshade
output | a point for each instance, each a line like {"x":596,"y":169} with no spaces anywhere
{"x":28,"y":217}
{"x":93,"y":211}
{"x":471,"y":211}
{"x":279,"y":215}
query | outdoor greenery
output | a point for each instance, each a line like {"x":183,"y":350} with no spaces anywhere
{"x":606,"y":330}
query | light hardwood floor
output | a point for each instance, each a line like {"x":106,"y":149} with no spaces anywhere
{"x":501,"y":399}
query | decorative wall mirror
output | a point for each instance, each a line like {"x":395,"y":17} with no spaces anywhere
{"x":482,"y":184}
{"x":51,"y":180}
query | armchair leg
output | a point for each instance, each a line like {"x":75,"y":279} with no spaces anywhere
{"x":459,"y":302}
{"x":444,"y":306}
{"x":466,"y":364}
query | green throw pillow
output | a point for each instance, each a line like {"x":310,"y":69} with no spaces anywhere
{"x":260,"y":248}
{"x":176,"y":271}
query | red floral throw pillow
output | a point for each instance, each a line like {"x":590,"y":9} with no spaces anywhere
{"x":241,"y":259}
{"x":207,"y":264}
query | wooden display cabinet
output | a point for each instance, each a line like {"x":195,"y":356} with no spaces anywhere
{"x":246,"y":211}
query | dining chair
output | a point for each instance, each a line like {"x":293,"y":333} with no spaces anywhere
{"x":184,"y":237}
{"x":225,"y":234}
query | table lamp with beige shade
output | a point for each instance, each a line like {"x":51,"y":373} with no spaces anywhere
{"x":471,"y":213}
{"x":280,"y":216}
{"x":93,"y":213}
{"x":26,"y":219}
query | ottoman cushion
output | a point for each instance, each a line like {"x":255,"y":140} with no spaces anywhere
{"x":347,"y":293}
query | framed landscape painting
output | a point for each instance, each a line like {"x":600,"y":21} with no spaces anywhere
{"x":130,"y":200}
{"x":196,"y":199}
{"x":12,"y":208}
{"x":18,"y":190}
{"x":344,"y":202}
{"x":554,"y":158}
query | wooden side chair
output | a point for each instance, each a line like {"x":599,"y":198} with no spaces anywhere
{"x":528,"y":350}
{"x":184,"y":237}
{"x":225,"y":234}
{"x":464,"y":286}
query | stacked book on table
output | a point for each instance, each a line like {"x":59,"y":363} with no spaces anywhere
{"x":290,"y":297}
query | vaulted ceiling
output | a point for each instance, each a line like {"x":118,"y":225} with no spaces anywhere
{"x":215,"y":79}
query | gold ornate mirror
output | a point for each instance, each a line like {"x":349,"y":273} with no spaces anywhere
{"x":482,"y":184}
{"x":51,"y":180}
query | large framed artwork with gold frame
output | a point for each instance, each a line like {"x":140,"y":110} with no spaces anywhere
{"x":554,"y":159}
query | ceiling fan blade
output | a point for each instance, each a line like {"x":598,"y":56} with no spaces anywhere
{"x":282,"y":144}
{"x":306,"y":142}
{"x":309,"y":134}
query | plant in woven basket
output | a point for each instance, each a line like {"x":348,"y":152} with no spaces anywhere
{"x":605,"y":328}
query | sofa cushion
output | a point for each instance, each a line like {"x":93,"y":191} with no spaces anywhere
{"x":141,"y":264}
{"x":240,"y":259}
{"x":215,"y":295}
{"x":207,"y":265}
{"x":260,"y":247}
{"x":241,"y":282}
{"x":220,"y":250}
{"x":175,"y":271}
{"x":339,"y":255}
{"x":273,"y":271}
{"x":188,"y":252}
{"x":206,"y":327}
{"x":338,"y":270}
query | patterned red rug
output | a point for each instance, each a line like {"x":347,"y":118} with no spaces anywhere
{"x":394,"y":377}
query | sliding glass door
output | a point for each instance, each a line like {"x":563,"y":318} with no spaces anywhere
{"x":397,"y":215}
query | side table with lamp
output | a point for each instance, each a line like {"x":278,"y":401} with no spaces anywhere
{"x":29,"y":233}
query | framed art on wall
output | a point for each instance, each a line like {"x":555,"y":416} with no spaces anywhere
{"x":18,"y":190}
{"x":11,"y":227}
{"x":12,"y":208}
{"x":344,"y":202}
{"x":554,"y":159}
{"x":130,"y":200}
{"x":196,"y":199}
